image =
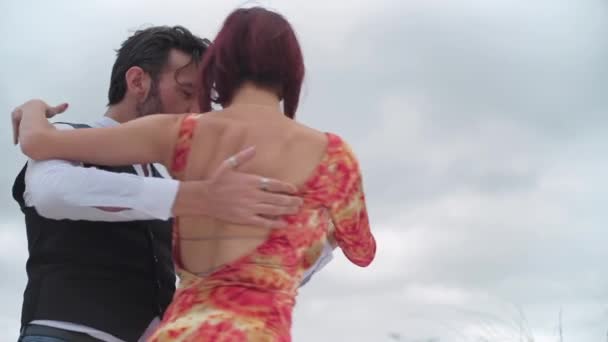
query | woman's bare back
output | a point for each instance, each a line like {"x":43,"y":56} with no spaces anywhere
{"x":286,"y":150}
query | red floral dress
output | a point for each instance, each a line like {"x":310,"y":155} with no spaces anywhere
{"x":252,"y":298}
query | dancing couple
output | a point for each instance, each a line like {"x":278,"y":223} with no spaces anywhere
{"x":255,"y":204}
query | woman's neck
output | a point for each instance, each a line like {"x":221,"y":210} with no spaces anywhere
{"x":249,"y":95}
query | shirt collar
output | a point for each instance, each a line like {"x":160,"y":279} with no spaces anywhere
{"x":105,"y":121}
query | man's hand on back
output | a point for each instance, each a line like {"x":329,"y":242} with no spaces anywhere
{"x":237,"y":197}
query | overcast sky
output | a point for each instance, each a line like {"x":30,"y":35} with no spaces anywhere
{"x":482,"y":132}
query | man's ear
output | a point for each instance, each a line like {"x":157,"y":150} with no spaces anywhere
{"x":138,"y":82}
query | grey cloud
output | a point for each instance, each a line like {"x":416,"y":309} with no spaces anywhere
{"x":480,"y":128}
{"x":541,"y":64}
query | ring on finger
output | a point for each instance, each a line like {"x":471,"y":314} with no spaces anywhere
{"x":264,"y":183}
{"x":233,"y":162}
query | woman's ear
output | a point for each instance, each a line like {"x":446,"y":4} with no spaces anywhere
{"x":138,"y":82}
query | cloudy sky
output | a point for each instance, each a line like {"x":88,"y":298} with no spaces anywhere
{"x":480,"y":127}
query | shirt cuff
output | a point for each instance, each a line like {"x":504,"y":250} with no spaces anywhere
{"x":158,"y":196}
{"x":326,"y":256}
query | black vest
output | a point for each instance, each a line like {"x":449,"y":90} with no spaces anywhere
{"x":111,"y":276}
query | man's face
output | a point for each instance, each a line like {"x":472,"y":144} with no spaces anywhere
{"x":177,"y":88}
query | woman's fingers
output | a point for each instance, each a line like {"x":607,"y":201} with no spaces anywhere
{"x":52,"y":111}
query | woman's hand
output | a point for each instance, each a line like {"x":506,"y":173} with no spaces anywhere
{"x":33,"y":107}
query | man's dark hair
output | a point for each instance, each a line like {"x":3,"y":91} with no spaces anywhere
{"x":149,"y":49}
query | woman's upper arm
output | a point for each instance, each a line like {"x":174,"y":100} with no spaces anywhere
{"x":149,"y":139}
{"x":348,"y":210}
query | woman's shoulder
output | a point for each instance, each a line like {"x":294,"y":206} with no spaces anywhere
{"x":336,"y":144}
{"x":340,"y":154}
{"x":301,"y":131}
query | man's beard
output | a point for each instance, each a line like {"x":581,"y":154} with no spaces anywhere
{"x":152,"y":104}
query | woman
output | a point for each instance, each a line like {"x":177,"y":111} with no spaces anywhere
{"x":238,"y":283}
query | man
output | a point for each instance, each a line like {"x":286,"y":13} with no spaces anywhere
{"x":99,"y":238}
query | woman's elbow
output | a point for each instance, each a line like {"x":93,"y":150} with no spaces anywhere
{"x":362,"y":262}
{"x":364,"y":256}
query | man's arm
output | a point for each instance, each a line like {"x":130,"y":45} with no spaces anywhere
{"x":64,"y":190}
{"x":60,"y":189}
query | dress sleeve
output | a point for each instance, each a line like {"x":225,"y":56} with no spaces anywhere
{"x":346,"y":203}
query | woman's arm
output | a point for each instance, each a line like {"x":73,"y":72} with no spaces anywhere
{"x":149,"y":139}
{"x":348,"y":211}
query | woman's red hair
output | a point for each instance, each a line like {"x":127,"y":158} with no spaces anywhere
{"x":254,"y":45}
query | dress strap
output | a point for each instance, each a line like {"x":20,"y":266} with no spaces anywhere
{"x":178,"y":166}
{"x":184,"y":142}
